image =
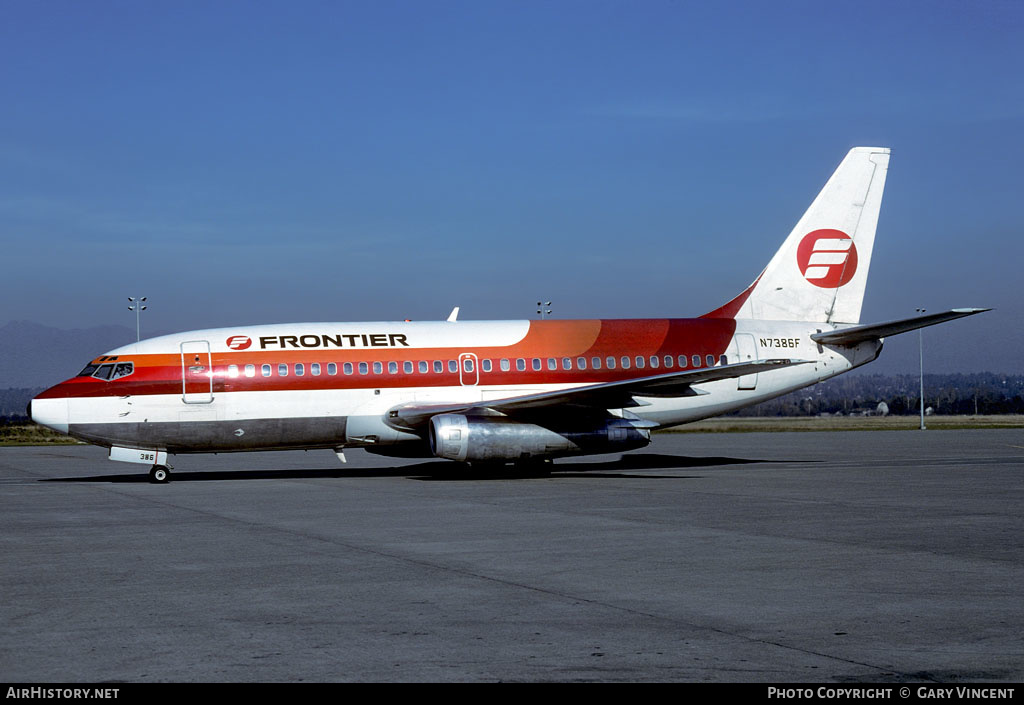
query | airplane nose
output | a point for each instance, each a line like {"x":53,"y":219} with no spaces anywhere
{"x":52,"y":413}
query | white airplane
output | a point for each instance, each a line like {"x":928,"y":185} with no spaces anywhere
{"x":497,"y":391}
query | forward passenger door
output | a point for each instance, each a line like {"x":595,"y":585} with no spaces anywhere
{"x":196,"y":372}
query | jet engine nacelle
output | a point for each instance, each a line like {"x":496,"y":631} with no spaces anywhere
{"x":498,"y":438}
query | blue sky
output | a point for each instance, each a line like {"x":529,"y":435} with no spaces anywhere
{"x":251,"y":162}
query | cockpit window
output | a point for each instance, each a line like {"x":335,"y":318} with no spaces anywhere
{"x":122,"y":369}
{"x":108,"y":372}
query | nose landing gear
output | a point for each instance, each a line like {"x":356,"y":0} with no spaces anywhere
{"x":160,"y":474}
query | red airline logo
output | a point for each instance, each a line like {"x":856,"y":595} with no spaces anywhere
{"x":827,"y":258}
{"x":239,"y":342}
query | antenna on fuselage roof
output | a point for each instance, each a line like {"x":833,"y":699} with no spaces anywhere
{"x":454,"y":315}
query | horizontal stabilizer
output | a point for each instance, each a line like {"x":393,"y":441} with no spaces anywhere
{"x":609,"y":395}
{"x":858,"y":334}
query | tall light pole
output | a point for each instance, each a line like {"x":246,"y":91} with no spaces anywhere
{"x":920,"y":350}
{"x":543,"y":310}
{"x":138,"y":307}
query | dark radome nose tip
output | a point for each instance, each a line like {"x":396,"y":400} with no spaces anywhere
{"x":28,"y":409}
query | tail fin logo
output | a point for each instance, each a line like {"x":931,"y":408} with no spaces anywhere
{"x":827,"y":258}
{"x":239,"y":342}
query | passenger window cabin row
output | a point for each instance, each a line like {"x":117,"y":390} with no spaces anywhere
{"x":112,"y":371}
{"x":535,"y":364}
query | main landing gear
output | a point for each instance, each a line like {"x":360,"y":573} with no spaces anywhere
{"x":160,"y":474}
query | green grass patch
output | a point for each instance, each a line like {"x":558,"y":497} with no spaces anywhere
{"x":32,"y":434}
{"x":744,"y":424}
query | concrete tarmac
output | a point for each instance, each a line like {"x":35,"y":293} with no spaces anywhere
{"x":778,"y":557}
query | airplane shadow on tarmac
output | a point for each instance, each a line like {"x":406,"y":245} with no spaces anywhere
{"x":625,"y":467}
{"x":442,"y":470}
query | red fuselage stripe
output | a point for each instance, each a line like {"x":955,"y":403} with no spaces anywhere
{"x":572,"y":340}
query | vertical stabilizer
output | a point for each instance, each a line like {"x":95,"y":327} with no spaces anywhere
{"x":820,"y":272}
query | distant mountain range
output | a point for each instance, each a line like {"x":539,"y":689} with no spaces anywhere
{"x":40,"y":356}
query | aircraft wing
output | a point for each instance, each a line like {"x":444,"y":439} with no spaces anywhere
{"x":858,"y":334}
{"x":608,"y":395}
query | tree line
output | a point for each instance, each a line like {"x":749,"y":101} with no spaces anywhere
{"x":981,"y":393}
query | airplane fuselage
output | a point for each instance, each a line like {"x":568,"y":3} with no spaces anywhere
{"x":330,"y":385}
